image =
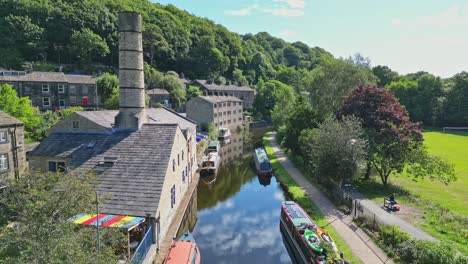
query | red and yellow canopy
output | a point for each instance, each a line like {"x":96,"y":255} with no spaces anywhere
{"x":107,"y":220}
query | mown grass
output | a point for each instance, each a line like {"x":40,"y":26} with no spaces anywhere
{"x":445,"y":207}
{"x":297,"y":194}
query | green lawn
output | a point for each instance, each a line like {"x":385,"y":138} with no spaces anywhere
{"x":299,"y":195}
{"x":454,"y":147}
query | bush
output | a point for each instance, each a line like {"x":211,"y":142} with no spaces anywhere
{"x":392,"y":236}
{"x":427,"y":252}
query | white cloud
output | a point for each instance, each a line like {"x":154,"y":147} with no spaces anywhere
{"x":241,"y":12}
{"x":286,"y":12}
{"x":283,"y":10}
{"x":456,"y":15}
{"x":286,"y":33}
{"x":293,"y":3}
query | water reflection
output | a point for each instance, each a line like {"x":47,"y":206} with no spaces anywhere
{"x":264,"y":180}
{"x":238,"y":215}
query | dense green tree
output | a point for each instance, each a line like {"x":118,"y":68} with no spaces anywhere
{"x":455,"y":109}
{"x":39,"y":206}
{"x":11,"y":58}
{"x":20,"y":108}
{"x":238,"y":77}
{"x":269,"y":93}
{"x":289,"y":76}
{"x":333,"y":80}
{"x":384,"y":75}
{"x":86,"y":45}
{"x":193,"y":91}
{"x":106,"y":84}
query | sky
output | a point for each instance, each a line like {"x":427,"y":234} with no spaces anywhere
{"x":406,"y":35}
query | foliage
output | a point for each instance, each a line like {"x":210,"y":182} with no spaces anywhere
{"x":335,"y":149}
{"x":86,"y":45}
{"x":106,"y":85}
{"x":11,"y":58}
{"x":455,"y":108}
{"x":427,"y":252}
{"x":193,"y":91}
{"x":392,"y":235}
{"x":331,"y":81}
{"x":169,"y":82}
{"x":212,"y":131}
{"x":39,"y":205}
{"x":384,"y":75}
{"x":271,"y":92}
{"x":48,"y":119}
{"x":17,"y":107}
{"x":70,"y":110}
{"x":299,"y":195}
{"x":300,"y":117}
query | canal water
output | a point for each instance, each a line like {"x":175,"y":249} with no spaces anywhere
{"x":238,"y":213}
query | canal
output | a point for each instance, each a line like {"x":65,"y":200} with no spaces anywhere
{"x":238,"y":213}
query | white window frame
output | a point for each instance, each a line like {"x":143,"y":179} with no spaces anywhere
{"x":72,"y":89}
{"x":72,"y":99}
{"x":56,"y":165}
{"x":45,"y":88}
{"x":61,"y":88}
{"x":43,"y":101}
{"x":64,"y":103}
{"x":4,"y":162}
{"x":3,"y":136}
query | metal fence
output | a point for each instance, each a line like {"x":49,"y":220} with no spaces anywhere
{"x":143,"y":248}
{"x":372,"y":220}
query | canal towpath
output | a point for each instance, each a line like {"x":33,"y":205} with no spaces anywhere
{"x":360,"y":243}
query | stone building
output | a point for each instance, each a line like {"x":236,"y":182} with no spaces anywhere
{"x":245,"y":93}
{"x":160,"y":96}
{"x":53,"y":90}
{"x":12,"y":151}
{"x":145,"y":159}
{"x":224,"y":111}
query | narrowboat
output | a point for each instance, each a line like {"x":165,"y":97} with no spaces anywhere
{"x":210,"y":164}
{"x":214,"y":146}
{"x":224,"y":133}
{"x":301,"y":234}
{"x":262,"y":163}
{"x":183,"y":251}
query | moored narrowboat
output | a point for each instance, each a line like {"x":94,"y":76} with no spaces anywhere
{"x":262,"y":163}
{"x":301,"y":234}
{"x":183,"y":251}
{"x":210,"y":164}
{"x":224,"y":133}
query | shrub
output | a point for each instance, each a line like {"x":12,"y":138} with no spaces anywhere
{"x":392,"y":236}
{"x":427,"y":252}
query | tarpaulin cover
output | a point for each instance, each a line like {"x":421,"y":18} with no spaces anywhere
{"x":107,"y":220}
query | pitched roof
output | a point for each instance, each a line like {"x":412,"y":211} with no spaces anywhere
{"x":134,"y":182}
{"x":220,"y":99}
{"x":223,"y":87}
{"x":155,"y":116}
{"x":8,"y":120}
{"x":157,"y":91}
{"x":50,"y":77}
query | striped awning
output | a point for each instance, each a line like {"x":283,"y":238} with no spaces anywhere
{"x":107,"y":220}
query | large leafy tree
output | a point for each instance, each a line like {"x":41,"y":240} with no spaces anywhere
{"x":38,"y":207}
{"x":86,"y":45}
{"x":268,"y":96}
{"x":107,"y":84}
{"x":20,"y":108}
{"x":394,"y":140}
{"x":385,"y":75}
{"x":333,"y":80}
{"x":455,"y":112}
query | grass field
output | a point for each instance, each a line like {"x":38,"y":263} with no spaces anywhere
{"x":454,"y":147}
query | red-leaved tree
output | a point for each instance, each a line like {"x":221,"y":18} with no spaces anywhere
{"x":394,"y":141}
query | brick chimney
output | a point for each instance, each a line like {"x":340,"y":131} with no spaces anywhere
{"x":132,"y":112}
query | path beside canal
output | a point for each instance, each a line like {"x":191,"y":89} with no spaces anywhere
{"x":359,"y":242}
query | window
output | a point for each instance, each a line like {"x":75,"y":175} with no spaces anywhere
{"x":72,"y":89}
{"x":214,"y":105}
{"x":45,"y":101}
{"x":240,"y":103}
{"x":72,"y":99}
{"x":182,"y":155}
{"x":3,"y":162}
{"x":215,"y":115}
{"x":240,"y":118}
{"x":62,"y":103}
{"x":224,"y":104}
{"x":84,"y":90}
{"x":183,"y":176}
{"x":61,"y":88}
{"x":45,"y":88}
{"x":229,"y":104}
{"x":27,"y":89}
{"x":76,"y":124}
{"x":178,"y":159}
{"x":173,"y":196}
{"x":173,"y":164}
{"x":56,"y":166}
{"x":3,"y":136}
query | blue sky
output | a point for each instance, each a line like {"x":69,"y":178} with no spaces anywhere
{"x":406,"y":35}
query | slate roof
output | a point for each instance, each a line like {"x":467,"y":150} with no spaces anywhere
{"x":223,"y":87}
{"x":134,"y":182}
{"x":155,"y":116}
{"x":157,"y":91}
{"x":220,"y":99}
{"x":58,"y":77}
{"x":8,"y":120}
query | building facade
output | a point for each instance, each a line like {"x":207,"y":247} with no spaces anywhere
{"x":244,"y":93}
{"x":12,"y":150}
{"x":53,"y":90}
{"x":223,"y":111}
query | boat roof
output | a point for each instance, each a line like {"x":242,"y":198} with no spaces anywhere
{"x":180,"y":252}
{"x":261,"y":155}
{"x":297,"y":214}
{"x":214,"y":143}
{"x":107,"y":220}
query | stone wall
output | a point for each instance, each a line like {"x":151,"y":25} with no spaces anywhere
{"x":85,"y":125}
{"x":7,"y":148}
{"x":200,"y":111}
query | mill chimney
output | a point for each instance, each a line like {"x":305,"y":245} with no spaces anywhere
{"x":131,"y":76}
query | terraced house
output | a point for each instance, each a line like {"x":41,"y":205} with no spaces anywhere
{"x":242,"y":92}
{"x":12,"y":152}
{"x":53,"y":90}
